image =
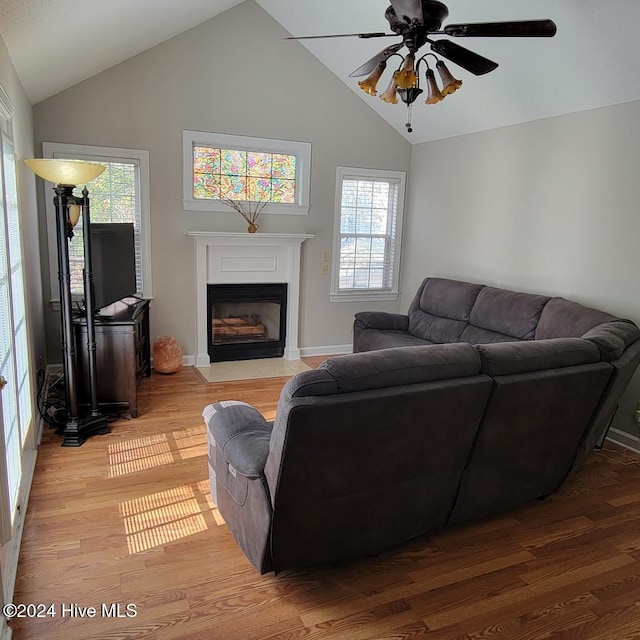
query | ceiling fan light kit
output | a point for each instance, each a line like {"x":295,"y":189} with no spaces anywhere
{"x":449,"y":83}
{"x":391,"y":93}
{"x":415,"y":21}
{"x":370,"y":83}
{"x":434,"y":94}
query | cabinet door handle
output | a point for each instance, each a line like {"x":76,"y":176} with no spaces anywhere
{"x":3,"y":382}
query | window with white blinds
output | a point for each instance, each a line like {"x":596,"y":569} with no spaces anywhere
{"x":119,"y":194}
{"x":368,"y":229}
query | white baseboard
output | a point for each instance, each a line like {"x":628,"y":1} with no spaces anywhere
{"x":329,"y":350}
{"x":304,"y":352}
{"x":624,"y":439}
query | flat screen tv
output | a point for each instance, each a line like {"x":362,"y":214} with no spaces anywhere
{"x":113,"y":258}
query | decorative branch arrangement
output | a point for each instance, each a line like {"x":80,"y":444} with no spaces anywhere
{"x":250,"y":210}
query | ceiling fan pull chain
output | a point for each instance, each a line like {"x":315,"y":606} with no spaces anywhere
{"x":409,"y":115}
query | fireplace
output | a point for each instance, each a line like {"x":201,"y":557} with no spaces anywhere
{"x":246,"y":321}
{"x":227,"y":258}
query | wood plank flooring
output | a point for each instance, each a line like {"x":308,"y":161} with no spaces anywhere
{"x":126,"y":520}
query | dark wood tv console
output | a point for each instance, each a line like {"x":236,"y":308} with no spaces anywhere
{"x":123,"y":353}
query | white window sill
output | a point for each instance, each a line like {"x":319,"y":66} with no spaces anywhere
{"x":357,"y":296}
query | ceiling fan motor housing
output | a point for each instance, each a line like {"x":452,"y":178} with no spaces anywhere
{"x":415,"y":28}
{"x":433,"y":14}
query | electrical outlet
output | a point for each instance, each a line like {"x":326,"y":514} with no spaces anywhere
{"x":325,"y":256}
{"x":324,"y":269}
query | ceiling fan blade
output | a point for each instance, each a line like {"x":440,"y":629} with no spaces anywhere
{"x":377,"y":34}
{"x":517,"y":29}
{"x":371,"y":64}
{"x":472,"y":62}
{"x":412,"y":9}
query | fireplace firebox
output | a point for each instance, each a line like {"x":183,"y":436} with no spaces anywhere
{"x":246,"y":321}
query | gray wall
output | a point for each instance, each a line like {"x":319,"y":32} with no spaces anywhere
{"x":549,"y":207}
{"x":23,"y":139}
{"x":233,"y":74}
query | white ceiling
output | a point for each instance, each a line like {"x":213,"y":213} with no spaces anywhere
{"x":591,"y":62}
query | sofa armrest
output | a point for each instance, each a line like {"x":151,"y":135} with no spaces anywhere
{"x":612,"y":338}
{"x":241,"y":433}
{"x":382,"y":320}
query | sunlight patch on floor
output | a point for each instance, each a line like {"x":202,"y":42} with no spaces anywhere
{"x":159,"y":518}
{"x":141,"y":454}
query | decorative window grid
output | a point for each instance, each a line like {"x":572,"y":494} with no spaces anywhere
{"x":221,"y":166}
{"x":243,"y":175}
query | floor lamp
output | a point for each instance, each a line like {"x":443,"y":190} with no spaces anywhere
{"x":66,"y":174}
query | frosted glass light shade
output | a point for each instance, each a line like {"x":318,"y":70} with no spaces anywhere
{"x":69,"y":172}
{"x":74,"y":214}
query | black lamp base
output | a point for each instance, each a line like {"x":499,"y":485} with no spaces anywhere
{"x":77,"y":431}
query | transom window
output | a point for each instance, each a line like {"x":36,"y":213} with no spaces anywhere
{"x":368,"y":233}
{"x":243,"y":175}
{"x":217,"y":167}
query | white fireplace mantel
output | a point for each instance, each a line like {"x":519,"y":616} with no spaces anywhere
{"x":247,"y":258}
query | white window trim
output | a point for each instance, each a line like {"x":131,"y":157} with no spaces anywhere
{"x":353,"y":295}
{"x":95,"y":154}
{"x":302,"y":151}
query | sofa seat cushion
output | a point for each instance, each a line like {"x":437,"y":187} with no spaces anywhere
{"x":509,"y":313}
{"x":374,"y":339}
{"x":441,"y":308}
{"x":478,"y":335}
{"x":535,"y":355}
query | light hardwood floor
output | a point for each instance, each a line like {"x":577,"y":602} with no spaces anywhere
{"x":126,"y":519}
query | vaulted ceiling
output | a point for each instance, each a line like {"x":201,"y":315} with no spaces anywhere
{"x":590,"y":63}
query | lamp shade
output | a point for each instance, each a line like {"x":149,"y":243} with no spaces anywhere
{"x":68,"y":172}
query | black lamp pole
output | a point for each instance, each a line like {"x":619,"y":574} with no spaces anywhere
{"x":76,"y":429}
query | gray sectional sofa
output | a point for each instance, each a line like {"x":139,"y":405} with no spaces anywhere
{"x":478,"y":400}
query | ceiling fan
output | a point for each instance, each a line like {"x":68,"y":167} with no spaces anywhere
{"x":416,"y":21}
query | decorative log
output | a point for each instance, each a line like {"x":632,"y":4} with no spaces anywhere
{"x":256,"y":330}
{"x":239,"y":326}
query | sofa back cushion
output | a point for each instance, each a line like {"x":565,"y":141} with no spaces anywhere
{"x":401,"y":366}
{"x":441,"y":308}
{"x":535,"y":355}
{"x":384,"y":368}
{"x":355,"y":473}
{"x":504,"y":315}
{"x":565,"y":319}
{"x":529,"y":437}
